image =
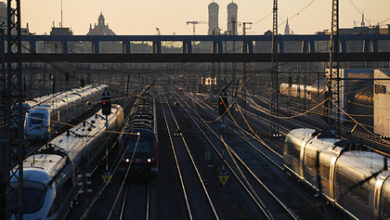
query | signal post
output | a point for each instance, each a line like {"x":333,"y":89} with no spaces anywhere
{"x":106,"y":110}
{"x":222,"y":109}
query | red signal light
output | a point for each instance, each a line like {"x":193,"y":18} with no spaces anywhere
{"x":104,"y":102}
{"x":220,"y":103}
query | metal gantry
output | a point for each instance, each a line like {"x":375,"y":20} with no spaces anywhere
{"x":13,"y":94}
{"x":333,"y":82}
{"x":274,"y":104}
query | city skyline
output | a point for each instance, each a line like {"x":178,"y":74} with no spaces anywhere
{"x":136,"y":18}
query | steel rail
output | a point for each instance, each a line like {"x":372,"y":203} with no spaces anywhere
{"x":258,"y":204}
{"x":186,"y":200}
{"x":122,"y":213}
{"x":194,"y":165}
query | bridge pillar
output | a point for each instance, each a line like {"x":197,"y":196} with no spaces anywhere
{"x":64,"y":47}
{"x":95,"y":47}
{"x":312,"y":46}
{"x":281,"y":45}
{"x":187,"y":47}
{"x":156,"y":47}
{"x":33,"y":46}
{"x":217,"y":47}
{"x":127,"y":47}
{"x":244,"y":46}
{"x":305,"y":46}
{"x":343,"y":46}
{"x":250,"y":46}
{"x":366,"y":46}
{"x":375,"y":46}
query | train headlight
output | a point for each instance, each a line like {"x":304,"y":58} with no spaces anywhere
{"x":149,"y":160}
{"x":127,"y":160}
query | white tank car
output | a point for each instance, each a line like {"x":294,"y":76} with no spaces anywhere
{"x":49,"y":176}
{"x":47,"y":117}
{"x":355,"y":180}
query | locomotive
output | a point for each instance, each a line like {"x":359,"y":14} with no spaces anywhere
{"x":139,"y":142}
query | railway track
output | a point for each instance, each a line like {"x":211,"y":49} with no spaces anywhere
{"x":259,"y":150}
{"x":132,"y":208}
{"x":239,"y":175}
{"x":190,"y":178}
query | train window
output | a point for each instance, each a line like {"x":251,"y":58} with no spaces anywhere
{"x":310,"y":160}
{"x":349,"y":186}
{"x":324,"y":170}
{"x":144,"y":147}
{"x":34,"y":196}
{"x":36,"y":118}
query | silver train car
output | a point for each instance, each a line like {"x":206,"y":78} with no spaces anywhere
{"x":354,"y":180}
{"x":44,"y":119}
{"x":357,"y":99}
{"x":50,"y":176}
{"x":28,"y":104}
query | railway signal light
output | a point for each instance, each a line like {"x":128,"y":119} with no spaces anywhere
{"x":222,"y":105}
{"x":106,"y":102}
{"x":106,"y":106}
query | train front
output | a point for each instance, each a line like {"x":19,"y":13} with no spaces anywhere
{"x":140,"y":152}
{"x":38,"y":124}
{"x":38,"y":194}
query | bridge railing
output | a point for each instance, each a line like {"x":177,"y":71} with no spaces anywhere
{"x":128,"y":44}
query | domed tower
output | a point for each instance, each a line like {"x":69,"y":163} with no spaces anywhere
{"x":232,"y":18}
{"x":213,"y":18}
{"x":101,"y":19}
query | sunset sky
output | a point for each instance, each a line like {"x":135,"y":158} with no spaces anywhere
{"x":129,"y":17}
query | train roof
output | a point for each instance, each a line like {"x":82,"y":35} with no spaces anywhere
{"x":73,"y":141}
{"x":41,"y":167}
{"x":363,"y":162}
{"x":141,"y":116}
{"x":144,"y":132}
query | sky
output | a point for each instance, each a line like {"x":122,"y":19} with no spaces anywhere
{"x":129,"y":17}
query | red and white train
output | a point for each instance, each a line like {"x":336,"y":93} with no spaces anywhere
{"x":139,"y":141}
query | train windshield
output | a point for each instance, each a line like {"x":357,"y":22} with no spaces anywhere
{"x":36,"y":118}
{"x":33,"y":194}
{"x":144,"y":147}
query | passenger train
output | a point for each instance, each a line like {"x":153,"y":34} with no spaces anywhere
{"x":44,"y":119}
{"x":352,"y":178}
{"x":356,"y":99}
{"x":28,"y":104}
{"x":140,"y":152}
{"x":50,"y":175}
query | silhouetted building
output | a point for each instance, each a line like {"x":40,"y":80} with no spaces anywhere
{"x":213,"y":18}
{"x":232,"y":18}
{"x":61,"y":31}
{"x":287,"y":28}
{"x":101,"y":28}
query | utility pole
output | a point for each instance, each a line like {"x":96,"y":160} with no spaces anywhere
{"x":333,"y":55}
{"x":245,"y":50}
{"x":274,"y":104}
